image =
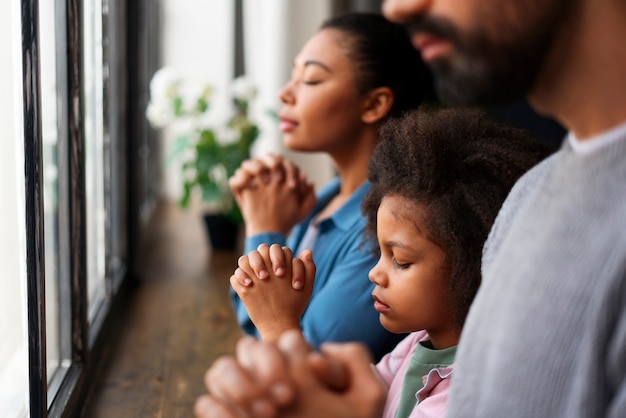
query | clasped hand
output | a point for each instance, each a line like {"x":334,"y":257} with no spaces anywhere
{"x":288,"y":379}
{"x":272,"y":193}
{"x":275,"y":287}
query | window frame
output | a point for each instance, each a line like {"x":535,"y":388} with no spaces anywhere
{"x":33,"y":166}
{"x":127,"y":62}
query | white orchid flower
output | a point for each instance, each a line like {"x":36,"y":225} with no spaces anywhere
{"x":191,"y":92}
{"x":218,"y":174}
{"x":226,"y":135}
{"x":243,"y":89}
{"x":188,"y":108}
{"x":159,"y":113}
{"x":165,"y":84}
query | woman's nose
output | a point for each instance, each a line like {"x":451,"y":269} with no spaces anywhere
{"x":286,"y":93}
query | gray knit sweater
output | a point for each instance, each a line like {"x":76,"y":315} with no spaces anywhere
{"x":546,"y":335}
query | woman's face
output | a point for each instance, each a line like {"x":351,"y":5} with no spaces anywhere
{"x":412,"y":290}
{"x":321,"y":107}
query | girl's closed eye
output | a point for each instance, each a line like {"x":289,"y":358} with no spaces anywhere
{"x":400,"y":266}
{"x":311,"y":82}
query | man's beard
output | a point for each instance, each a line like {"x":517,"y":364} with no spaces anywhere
{"x":483,"y":70}
{"x":487,"y":78}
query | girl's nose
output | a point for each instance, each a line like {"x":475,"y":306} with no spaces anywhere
{"x":376,"y":275}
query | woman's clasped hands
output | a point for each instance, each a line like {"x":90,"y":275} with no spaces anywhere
{"x":272,"y":193}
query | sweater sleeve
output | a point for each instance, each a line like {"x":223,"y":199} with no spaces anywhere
{"x":616,"y":354}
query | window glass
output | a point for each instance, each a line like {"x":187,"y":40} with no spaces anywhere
{"x":94,"y":154}
{"x":50,"y":182}
{"x":13,"y":307}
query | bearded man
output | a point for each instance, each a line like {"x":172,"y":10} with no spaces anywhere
{"x":546,"y":335}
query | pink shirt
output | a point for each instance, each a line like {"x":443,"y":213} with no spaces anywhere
{"x":432,"y":397}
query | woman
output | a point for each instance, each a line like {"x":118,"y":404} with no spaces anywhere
{"x":355,"y":72}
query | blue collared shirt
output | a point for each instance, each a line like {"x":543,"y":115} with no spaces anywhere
{"x":341,"y":307}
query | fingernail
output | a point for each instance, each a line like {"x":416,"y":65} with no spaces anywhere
{"x":281,"y":392}
{"x":262,"y":408}
{"x":297,"y":284}
{"x":263,"y":274}
{"x":247,"y":282}
{"x":280,"y":271}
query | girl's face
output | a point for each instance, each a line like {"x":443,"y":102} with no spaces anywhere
{"x":321,"y":107}
{"x":412,"y":290}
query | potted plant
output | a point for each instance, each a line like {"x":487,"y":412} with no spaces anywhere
{"x":208,"y":147}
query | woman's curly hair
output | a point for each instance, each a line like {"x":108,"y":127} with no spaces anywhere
{"x":457,"y":166}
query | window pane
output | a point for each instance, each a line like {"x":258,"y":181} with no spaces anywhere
{"x":94,"y":154}
{"x":13,"y":308}
{"x":116,"y":107}
{"x":50,"y":182}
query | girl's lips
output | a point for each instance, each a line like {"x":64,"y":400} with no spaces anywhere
{"x":287,"y":125}
{"x":379,"y":305}
{"x":430,"y":46}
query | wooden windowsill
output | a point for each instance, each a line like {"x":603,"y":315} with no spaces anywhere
{"x":179,"y":320}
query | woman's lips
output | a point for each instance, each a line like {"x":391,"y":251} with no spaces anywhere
{"x":430,"y":46}
{"x":287,"y":125}
{"x":379,"y":305}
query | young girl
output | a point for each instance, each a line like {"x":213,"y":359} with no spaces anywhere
{"x":438,"y":181}
{"x":355,"y":72}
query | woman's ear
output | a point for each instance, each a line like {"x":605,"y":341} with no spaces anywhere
{"x":377,"y":104}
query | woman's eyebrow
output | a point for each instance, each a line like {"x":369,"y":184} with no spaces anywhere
{"x":317,"y":63}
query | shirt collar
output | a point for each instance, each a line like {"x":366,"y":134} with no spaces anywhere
{"x":350,"y":212}
{"x":601,"y":140}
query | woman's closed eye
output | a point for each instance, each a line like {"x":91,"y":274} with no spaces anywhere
{"x":314,"y":74}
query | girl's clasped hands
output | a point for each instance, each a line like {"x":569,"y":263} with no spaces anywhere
{"x":275,"y":286}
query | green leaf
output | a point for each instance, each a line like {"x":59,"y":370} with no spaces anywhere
{"x":184,"y":201}
{"x":211,"y":192}
{"x":177,"y":103}
{"x":202,"y":105}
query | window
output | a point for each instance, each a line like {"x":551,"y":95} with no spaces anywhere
{"x":70,"y":203}
{"x":94,"y":153}
{"x":50,"y":181}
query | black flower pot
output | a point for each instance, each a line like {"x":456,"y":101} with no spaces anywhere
{"x":223,"y":231}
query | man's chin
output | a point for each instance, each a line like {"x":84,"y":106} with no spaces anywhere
{"x":460,"y":81}
{"x":472,"y":93}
